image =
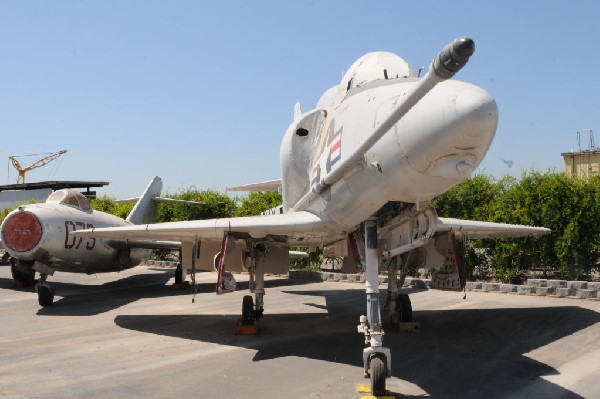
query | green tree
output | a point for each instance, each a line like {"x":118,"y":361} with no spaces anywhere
{"x":569,"y":207}
{"x":259,"y":201}
{"x":469,"y":199}
{"x":110,"y":205}
{"x":215,"y":205}
{"x":4,"y":213}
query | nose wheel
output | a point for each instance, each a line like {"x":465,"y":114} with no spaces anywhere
{"x":45,"y":292}
{"x":378,"y":372}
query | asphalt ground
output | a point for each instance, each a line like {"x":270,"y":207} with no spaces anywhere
{"x":130,"y":335}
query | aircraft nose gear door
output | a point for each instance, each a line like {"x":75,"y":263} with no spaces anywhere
{"x":377,"y":359}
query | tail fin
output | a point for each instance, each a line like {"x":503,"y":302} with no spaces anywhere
{"x":144,"y":210}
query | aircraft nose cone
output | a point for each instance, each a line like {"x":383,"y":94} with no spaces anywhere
{"x":21,"y":231}
{"x":469,"y":121}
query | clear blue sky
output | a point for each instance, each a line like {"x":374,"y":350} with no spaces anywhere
{"x":200,"y":93}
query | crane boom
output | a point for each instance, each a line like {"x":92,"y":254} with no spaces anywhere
{"x":35,"y":165}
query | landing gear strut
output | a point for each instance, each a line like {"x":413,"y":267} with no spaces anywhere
{"x":253,"y":311}
{"x":377,"y":359}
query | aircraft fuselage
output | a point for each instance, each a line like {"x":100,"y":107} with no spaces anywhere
{"x":437,"y":144}
{"x":41,"y":232}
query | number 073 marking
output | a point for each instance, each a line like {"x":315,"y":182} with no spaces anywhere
{"x":72,"y":242}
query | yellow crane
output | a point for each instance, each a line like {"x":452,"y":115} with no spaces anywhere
{"x":47,"y":159}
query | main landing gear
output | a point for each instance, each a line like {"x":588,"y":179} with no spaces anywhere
{"x":22,"y":275}
{"x":252,"y":310}
{"x":398,"y":303}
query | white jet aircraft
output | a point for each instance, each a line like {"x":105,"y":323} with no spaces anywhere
{"x":357,"y":173}
{"x":37,"y":238}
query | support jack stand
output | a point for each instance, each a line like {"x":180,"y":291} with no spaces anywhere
{"x":177,"y":286}
{"x":241,"y":329}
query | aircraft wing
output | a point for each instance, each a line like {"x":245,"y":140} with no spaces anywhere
{"x":478,"y":229}
{"x":143,"y":244}
{"x":299,"y":227}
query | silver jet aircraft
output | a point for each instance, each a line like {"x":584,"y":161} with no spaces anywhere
{"x":357,"y":174}
{"x":37,"y":238}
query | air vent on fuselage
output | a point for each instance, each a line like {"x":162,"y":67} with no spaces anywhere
{"x":302,"y":132}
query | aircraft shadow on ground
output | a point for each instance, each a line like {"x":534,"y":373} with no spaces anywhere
{"x":457,"y":353}
{"x":92,"y":299}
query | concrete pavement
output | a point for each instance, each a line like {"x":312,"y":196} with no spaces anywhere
{"x":131,"y":335}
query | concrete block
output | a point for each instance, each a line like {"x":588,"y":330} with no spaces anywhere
{"x":495,"y":287}
{"x":585,"y":293}
{"x":473,"y":285}
{"x":562,"y":292}
{"x":594,"y":286}
{"x":537,"y":282}
{"x":490,"y":287}
{"x":556,"y":283}
{"x":508,"y":288}
{"x":304,"y":275}
{"x":544,"y":291}
{"x":577,"y":285}
{"x":525,"y":289}
{"x":417,"y":283}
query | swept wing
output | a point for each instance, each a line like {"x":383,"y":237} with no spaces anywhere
{"x":299,"y":227}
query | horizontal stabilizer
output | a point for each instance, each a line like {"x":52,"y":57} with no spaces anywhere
{"x":269,"y":185}
{"x":160,"y":199}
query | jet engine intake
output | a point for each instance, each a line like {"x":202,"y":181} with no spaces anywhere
{"x":21,"y":232}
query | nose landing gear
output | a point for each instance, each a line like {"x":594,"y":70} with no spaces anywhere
{"x":376,"y":358}
{"x":45,"y":291}
{"x":252,"y":309}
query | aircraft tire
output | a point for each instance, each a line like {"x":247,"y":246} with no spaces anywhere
{"x":378,"y":374}
{"x":179,"y":274}
{"x":19,"y":276}
{"x":45,"y":294}
{"x":247,"y":311}
{"x":404,"y":308}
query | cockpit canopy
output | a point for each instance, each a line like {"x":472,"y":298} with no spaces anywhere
{"x":379,"y":65}
{"x":374,"y":66}
{"x":69,"y":197}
